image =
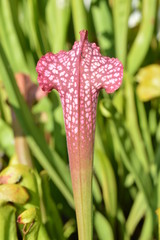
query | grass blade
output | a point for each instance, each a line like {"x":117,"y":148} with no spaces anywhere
{"x":137,"y":211}
{"x":79,"y":17}
{"x":121,"y":10}
{"x":142,"y":42}
{"x":103,"y":227}
{"x":103,"y":24}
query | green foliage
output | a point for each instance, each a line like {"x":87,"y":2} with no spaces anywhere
{"x":8,"y":223}
{"x":126,"y":182}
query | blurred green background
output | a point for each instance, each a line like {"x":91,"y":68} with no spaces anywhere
{"x":126,"y":182}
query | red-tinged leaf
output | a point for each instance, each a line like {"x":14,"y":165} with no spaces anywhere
{"x":28,"y":216}
{"x":13,"y":174}
{"x":13,"y":193}
{"x":30,"y":91}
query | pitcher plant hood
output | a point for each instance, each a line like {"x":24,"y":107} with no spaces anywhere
{"x":78,"y":75}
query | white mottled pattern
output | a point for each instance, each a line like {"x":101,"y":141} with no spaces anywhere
{"x":78,"y":75}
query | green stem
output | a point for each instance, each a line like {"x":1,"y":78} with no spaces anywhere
{"x":79,"y":16}
{"x":143,"y":39}
{"x":82,"y":190}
